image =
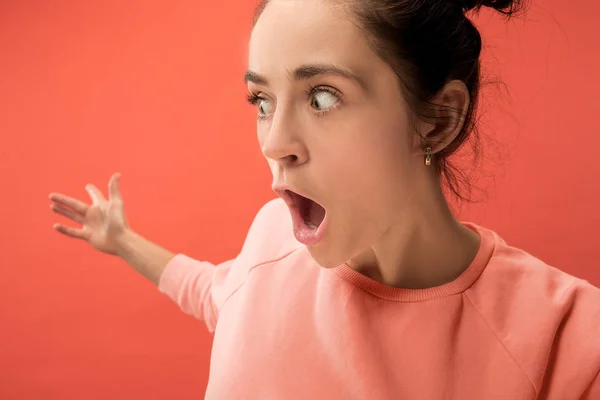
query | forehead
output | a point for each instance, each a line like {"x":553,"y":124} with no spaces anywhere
{"x":295,"y":32}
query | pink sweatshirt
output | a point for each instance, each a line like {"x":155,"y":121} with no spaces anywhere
{"x":510,"y":327}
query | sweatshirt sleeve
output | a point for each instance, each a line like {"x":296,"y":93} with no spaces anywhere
{"x":189,"y":283}
{"x":201,"y":288}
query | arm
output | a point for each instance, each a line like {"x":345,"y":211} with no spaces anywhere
{"x":104,"y":226}
{"x":145,"y":257}
{"x":197,"y":287}
{"x":188,"y":282}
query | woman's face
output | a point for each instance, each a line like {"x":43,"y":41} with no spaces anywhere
{"x":333,"y":126}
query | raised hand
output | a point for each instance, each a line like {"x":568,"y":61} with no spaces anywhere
{"x":102,"y":223}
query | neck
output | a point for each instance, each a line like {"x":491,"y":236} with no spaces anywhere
{"x":428,"y":249}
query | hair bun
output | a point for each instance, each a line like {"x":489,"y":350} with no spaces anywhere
{"x":507,"y":7}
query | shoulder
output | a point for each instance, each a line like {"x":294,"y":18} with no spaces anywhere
{"x":546,"y":318}
{"x":270,"y":236}
{"x":514,"y":274}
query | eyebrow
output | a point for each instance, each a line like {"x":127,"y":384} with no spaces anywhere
{"x":306,"y":72}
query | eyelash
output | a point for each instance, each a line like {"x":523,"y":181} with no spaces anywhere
{"x":253,"y":99}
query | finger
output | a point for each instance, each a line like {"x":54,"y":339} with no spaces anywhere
{"x":78,"y":206}
{"x":113,"y":187}
{"x":95,"y":194}
{"x":72,"y":232}
{"x":71,"y":214}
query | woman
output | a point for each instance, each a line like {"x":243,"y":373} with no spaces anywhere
{"x":358,"y":282}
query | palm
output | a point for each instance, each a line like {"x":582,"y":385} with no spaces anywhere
{"x":98,"y":223}
{"x":101,"y":222}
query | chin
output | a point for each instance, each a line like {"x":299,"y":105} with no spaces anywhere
{"x":326,"y":257}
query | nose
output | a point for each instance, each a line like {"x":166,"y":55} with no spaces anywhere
{"x":282,"y":142}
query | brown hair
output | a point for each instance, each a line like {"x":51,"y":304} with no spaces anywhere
{"x":429,"y":43}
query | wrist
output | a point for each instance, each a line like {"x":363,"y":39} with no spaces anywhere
{"x":123,"y":243}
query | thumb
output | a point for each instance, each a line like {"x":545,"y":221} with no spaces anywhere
{"x":113,"y":188}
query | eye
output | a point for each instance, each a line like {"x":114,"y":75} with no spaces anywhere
{"x":324,"y":99}
{"x":264,"y":107}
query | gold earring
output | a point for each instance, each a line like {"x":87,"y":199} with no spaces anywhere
{"x":428,"y":156}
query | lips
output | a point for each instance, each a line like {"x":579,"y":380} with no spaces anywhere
{"x":309,"y":217}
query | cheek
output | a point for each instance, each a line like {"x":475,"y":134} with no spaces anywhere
{"x":370,"y":176}
{"x":371,"y":159}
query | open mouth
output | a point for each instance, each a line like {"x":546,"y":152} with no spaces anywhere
{"x":311,"y":212}
{"x":309,"y":217}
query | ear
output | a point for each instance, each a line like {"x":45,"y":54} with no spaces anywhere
{"x":450,"y":109}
